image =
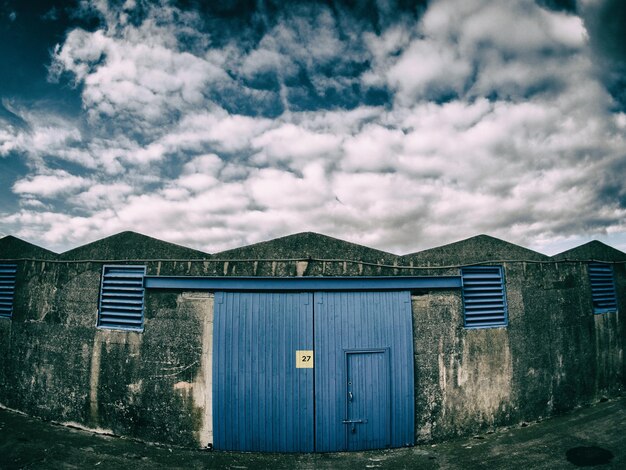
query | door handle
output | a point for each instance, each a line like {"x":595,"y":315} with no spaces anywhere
{"x":353,"y":422}
{"x":350,"y":396}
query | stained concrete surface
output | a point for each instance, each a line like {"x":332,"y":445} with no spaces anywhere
{"x":553,"y":355}
{"x":592,"y":437}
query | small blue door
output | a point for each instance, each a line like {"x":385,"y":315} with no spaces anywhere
{"x":368,"y":400}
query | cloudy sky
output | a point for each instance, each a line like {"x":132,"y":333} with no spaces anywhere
{"x":396,"y":124}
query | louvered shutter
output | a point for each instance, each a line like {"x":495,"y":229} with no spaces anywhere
{"x":7,"y":289}
{"x":602,"y":287}
{"x":484,"y":296}
{"x":122,"y":297}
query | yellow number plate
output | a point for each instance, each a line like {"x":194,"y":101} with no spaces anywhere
{"x":304,"y":359}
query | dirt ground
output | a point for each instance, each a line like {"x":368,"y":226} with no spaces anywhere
{"x":591,"y":437}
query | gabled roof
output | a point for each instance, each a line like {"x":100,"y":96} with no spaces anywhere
{"x":478,"y":249}
{"x":594,"y":250}
{"x":131,"y":246}
{"x":307,"y":245}
{"x":15,"y":248}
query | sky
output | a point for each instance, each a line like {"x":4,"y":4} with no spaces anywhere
{"x":400,"y":125}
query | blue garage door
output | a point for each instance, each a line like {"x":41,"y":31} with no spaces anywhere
{"x":368,"y":335}
{"x":262,"y":402}
{"x":361,"y":383}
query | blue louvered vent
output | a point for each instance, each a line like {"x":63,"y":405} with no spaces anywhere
{"x":121,"y":297}
{"x":7,"y":289}
{"x":484,"y":296}
{"x":602,"y":288}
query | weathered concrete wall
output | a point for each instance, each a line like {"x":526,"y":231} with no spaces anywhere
{"x":598,"y":251}
{"x":48,"y":361}
{"x":620,"y":285}
{"x":131,"y":246}
{"x":178,"y":342}
{"x":478,"y":249}
{"x":154,"y":385}
{"x":463,"y":377}
{"x":11,"y":247}
{"x":555,"y":354}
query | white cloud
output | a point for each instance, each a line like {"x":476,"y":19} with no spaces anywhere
{"x":275,"y":189}
{"x":517,"y":26}
{"x":266,"y":59}
{"x":137,"y":73}
{"x":568,"y":30}
{"x":197,"y":182}
{"x":426,"y":69}
{"x":101,"y":196}
{"x":228,"y":133}
{"x":309,"y":34}
{"x":209,"y":163}
{"x":295,"y":145}
{"x":45,"y":134}
{"x":54,"y":184}
{"x":497,"y":123}
{"x":375,"y":148}
{"x":8,"y":141}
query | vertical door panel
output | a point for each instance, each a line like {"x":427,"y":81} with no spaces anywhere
{"x":356,"y":321}
{"x":262,"y":402}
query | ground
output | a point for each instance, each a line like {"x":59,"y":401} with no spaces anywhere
{"x":591,"y":436}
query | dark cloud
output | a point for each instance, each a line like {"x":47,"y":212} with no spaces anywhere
{"x":12,"y":119}
{"x":12,"y":168}
{"x":313,"y":81}
{"x":228,"y":122}
{"x":257,"y":102}
{"x":377,"y":96}
{"x":249,"y":20}
{"x":25,"y":46}
{"x":606,"y":23}
{"x":610,"y":183}
{"x":568,"y":6}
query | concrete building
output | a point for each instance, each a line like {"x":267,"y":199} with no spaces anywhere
{"x":307,"y":343}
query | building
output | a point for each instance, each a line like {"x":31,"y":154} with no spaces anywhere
{"x":307,"y":343}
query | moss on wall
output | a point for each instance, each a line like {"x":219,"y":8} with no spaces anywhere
{"x":555,"y":354}
{"x":59,"y":366}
